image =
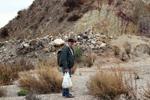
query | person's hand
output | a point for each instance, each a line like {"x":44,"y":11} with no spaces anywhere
{"x":66,"y":70}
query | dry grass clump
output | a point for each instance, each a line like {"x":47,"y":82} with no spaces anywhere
{"x":90,"y":58}
{"x":2,"y":91}
{"x":9,"y":72}
{"x":127,"y":48}
{"x":107,"y":85}
{"x":23,"y":64}
{"x":4,"y":33}
{"x":116,"y":50}
{"x":74,"y":17}
{"x":46,"y":80}
{"x":49,"y":62}
{"x":31,"y":96}
{"x":74,"y":3}
{"x":147,"y":92}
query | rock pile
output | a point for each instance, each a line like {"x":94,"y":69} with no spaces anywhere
{"x":48,"y":45}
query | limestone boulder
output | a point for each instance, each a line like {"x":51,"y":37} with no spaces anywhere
{"x":58,"y":42}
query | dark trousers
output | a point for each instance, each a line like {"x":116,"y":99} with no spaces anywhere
{"x":66,"y":90}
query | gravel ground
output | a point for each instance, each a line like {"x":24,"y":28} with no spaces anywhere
{"x":82,"y":76}
{"x":79,"y":90}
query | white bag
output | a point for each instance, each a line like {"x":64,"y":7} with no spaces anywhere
{"x":67,"y":83}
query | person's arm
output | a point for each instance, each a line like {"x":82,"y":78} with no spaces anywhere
{"x":64,"y":58}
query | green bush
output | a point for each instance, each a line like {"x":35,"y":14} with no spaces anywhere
{"x":78,"y":51}
{"x":22,"y":93}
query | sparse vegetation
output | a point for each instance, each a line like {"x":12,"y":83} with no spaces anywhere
{"x":45,"y":80}
{"x":31,"y":96}
{"x":127,"y":48}
{"x":131,"y":85}
{"x":4,"y":33}
{"x":147,"y":92}
{"x":22,"y":93}
{"x":74,"y":3}
{"x":23,"y":64}
{"x":89,"y":59}
{"x":107,"y":85}
{"x":78,"y":52}
{"x":2,"y":91}
{"x":116,"y":51}
{"x":62,"y":18}
{"x":9,"y":72}
{"x":74,"y":17}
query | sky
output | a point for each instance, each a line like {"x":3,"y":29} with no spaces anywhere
{"x":9,"y":9}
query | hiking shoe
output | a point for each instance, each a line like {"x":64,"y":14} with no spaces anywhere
{"x":63,"y":95}
{"x":69,"y":96}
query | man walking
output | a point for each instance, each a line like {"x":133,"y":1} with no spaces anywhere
{"x":67,"y":63}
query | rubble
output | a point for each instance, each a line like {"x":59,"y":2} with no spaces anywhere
{"x":46,"y":46}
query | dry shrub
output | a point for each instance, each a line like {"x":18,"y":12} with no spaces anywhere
{"x":2,"y":91}
{"x":90,"y":58}
{"x":116,"y":50}
{"x":9,"y":72}
{"x":31,"y":96}
{"x":127,"y":48}
{"x":23,"y":64}
{"x":4,"y":33}
{"x":62,"y":18}
{"x":52,"y":62}
{"x":46,"y":80}
{"x":74,"y":3}
{"x":74,"y":17}
{"x":107,"y":85}
{"x":131,"y":86}
{"x":147,"y":92}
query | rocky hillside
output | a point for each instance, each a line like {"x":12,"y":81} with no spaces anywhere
{"x":53,"y":17}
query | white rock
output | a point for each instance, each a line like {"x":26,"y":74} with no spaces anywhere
{"x":91,"y":46}
{"x":79,"y":37}
{"x":93,"y":42}
{"x":36,"y":54}
{"x":102,"y":45}
{"x":97,"y":35}
{"x":6,"y":41}
{"x":65,"y":37}
{"x":58,"y":42}
{"x":26,"y":45}
{"x":46,"y":50}
{"x":111,"y":37}
{"x":5,"y":50}
{"x":46,"y":37}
